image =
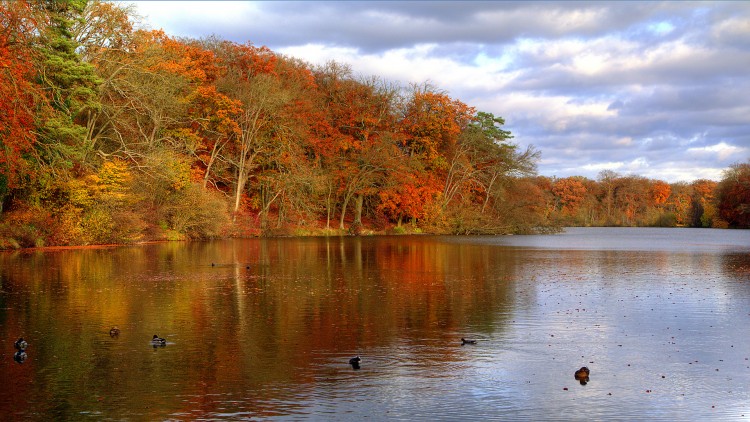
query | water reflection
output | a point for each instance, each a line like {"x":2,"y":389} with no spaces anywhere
{"x":268,"y":328}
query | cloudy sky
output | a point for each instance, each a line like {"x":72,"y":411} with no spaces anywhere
{"x":658,"y":89}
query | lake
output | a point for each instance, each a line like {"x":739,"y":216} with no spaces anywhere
{"x":261,"y":329}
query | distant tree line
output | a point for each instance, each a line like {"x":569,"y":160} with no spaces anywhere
{"x":617,"y":200}
{"x":114,"y":134}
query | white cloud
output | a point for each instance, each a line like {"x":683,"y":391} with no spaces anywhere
{"x":167,"y":13}
{"x":405,"y":65}
{"x":734,"y":28}
{"x":597,"y":167}
{"x":722,"y":151}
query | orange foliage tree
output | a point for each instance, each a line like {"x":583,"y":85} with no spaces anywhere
{"x":660,"y":192}
{"x":20,"y":95}
{"x":733,"y":196}
{"x":569,"y":193}
{"x":431,"y":125}
{"x":702,"y":206}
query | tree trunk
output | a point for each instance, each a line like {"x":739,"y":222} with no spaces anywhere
{"x":238,"y":194}
{"x":358,"y":209}
{"x":241,"y":181}
{"x":329,"y":206}
{"x":343,"y":211}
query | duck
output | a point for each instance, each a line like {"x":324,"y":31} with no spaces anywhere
{"x":20,"y":344}
{"x":354,"y":362}
{"x":582,"y":375}
{"x":464,"y":341}
{"x":114,"y":331}
{"x":20,"y":356}
{"x":158,"y":341}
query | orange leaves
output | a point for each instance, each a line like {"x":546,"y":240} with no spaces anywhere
{"x":247,"y":60}
{"x":215,"y":112}
{"x":734,"y":196}
{"x":570,"y":193}
{"x":432,"y":122}
{"x":660,"y":192}
{"x":411,"y":198}
{"x":19,"y":93}
{"x":186,"y":59}
{"x":704,"y":189}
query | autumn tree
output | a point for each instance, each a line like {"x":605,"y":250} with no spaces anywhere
{"x":251,"y":79}
{"x":607,"y":180}
{"x":431,"y":124}
{"x":679,"y":202}
{"x":527,"y":205}
{"x":569,"y":193}
{"x":660,"y":193}
{"x":361,"y":117}
{"x":103,"y":26}
{"x":430,"y":130}
{"x":633,"y":200}
{"x":288,"y":181}
{"x":22,"y":99}
{"x":733,"y":196}
{"x":702,"y":203}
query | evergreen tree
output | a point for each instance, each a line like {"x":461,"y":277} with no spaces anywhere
{"x":71,"y":86}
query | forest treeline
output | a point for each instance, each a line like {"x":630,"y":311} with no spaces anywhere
{"x":111,"y":133}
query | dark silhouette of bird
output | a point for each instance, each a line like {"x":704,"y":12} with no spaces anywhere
{"x":354,"y":362}
{"x":20,"y":356}
{"x":464,"y":341}
{"x":582,"y":375}
{"x":158,"y":341}
{"x":114,"y":331}
{"x":21,"y":344}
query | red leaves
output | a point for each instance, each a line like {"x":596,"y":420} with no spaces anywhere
{"x":734,"y":196}
{"x":19,"y":94}
{"x":411,"y":197}
{"x":433,"y":122}
{"x":660,"y":192}
{"x":570,"y":193}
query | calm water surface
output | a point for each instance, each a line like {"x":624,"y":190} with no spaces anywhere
{"x":264,"y":328}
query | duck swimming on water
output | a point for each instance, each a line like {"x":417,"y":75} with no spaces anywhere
{"x":464,"y":341}
{"x":354,"y":362}
{"x":158,"y":341}
{"x":20,"y":356}
{"x":582,"y":375}
{"x":114,"y":332}
{"x":21,"y":344}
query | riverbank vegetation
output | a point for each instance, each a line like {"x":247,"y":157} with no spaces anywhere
{"x":110,"y":133}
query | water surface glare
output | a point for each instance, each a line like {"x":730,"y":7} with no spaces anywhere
{"x":263,"y":329}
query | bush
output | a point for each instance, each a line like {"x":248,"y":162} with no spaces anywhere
{"x":668,"y":219}
{"x":196,"y":212}
{"x":26,"y":227}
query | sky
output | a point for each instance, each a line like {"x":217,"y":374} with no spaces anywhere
{"x":655,"y":89}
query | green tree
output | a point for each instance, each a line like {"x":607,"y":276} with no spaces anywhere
{"x":71,"y":87}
